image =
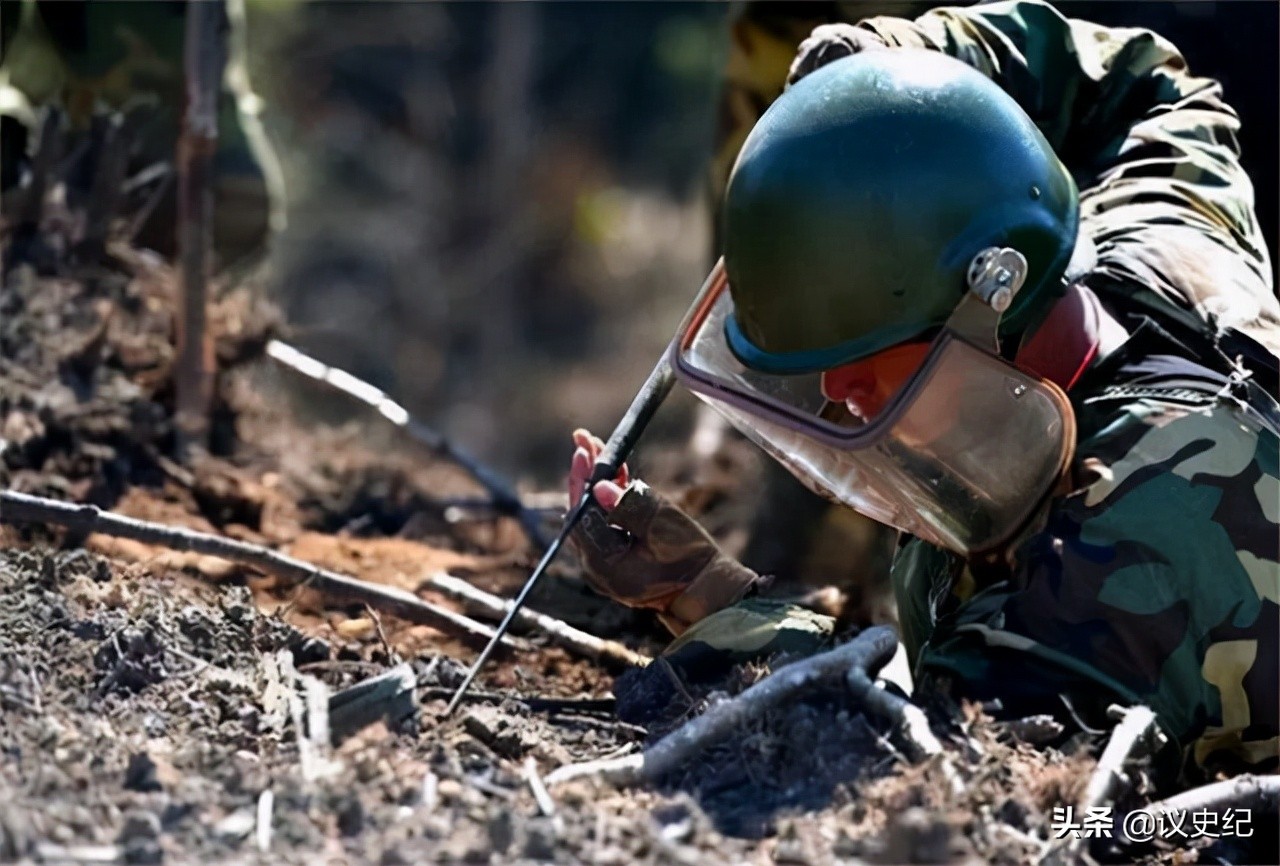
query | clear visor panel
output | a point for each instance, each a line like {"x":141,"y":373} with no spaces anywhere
{"x":961,"y":463}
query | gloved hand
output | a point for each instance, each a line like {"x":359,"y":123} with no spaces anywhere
{"x":829,"y":42}
{"x":639,"y":549}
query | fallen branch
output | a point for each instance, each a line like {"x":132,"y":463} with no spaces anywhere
{"x":1131,"y":738}
{"x":1136,"y":735}
{"x":541,"y":795}
{"x":626,"y":770}
{"x":855,"y":662}
{"x":605,"y":706}
{"x":560,"y":632}
{"x":1261,"y":793}
{"x":24,"y":508}
{"x":911,"y":726}
{"x":869,"y":650}
{"x":505,"y":498}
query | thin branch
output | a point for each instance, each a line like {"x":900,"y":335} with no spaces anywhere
{"x":626,"y":770}
{"x":855,"y":662}
{"x":1136,"y":735}
{"x":205,"y":56}
{"x":871,"y":649}
{"x":541,"y":795}
{"x":1131,"y":738}
{"x":505,"y":498}
{"x":911,"y":725}
{"x":24,"y":508}
{"x":545,"y":705}
{"x":560,"y":632}
{"x":112,"y":135}
{"x":1260,"y":793}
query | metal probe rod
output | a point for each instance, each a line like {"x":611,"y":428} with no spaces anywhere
{"x":641,"y":412}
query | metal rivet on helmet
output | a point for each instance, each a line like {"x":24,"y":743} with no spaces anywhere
{"x":996,"y":275}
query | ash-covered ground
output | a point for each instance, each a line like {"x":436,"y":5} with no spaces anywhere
{"x":158,"y":706}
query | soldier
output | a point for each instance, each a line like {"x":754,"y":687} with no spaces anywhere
{"x":994,"y":278}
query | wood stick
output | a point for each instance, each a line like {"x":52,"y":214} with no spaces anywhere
{"x":505,"y":498}
{"x":875,"y":645}
{"x":541,"y":795}
{"x":866,"y":653}
{"x":1129,"y":739}
{"x":24,"y":508}
{"x":911,"y":725}
{"x":560,"y":632}
{"x":113,"y":136}
{"x":1135,"y":735}
{"x":1242,"y":792}
{"x":204,"y":57}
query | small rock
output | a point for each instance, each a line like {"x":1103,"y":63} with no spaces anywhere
{"x":236,"y":826}
{"x":140,"y":775}
{"x":139,"y":824}
{"x":449,"y":790}
{"x":540,"y":839}
{"x":917,"y":836}
{"x":676,"y":822}
{"x":350,"y":816}
{"x":498,"y":731}
{"x":144,"y":852}
{"x":307,"y":650}
{"x":1036,"y":730}
{"x":239,"y":612}
{"x":501,"y":831}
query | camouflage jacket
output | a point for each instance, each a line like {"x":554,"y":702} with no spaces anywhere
{"x":1156,"y":579}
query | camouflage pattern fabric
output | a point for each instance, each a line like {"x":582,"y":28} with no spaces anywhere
{"x":1157,"y":577}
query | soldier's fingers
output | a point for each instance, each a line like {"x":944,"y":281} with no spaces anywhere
{"x":624,"y":476}
{"x":579,"y":472}
{"x":583,"y":439}
{"x":607,"y":494}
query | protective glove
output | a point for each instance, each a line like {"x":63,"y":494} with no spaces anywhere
{"x":830,"y":42}
{"x":639,"y":549}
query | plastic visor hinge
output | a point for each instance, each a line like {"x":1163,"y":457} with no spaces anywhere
{"x":995,"y":275}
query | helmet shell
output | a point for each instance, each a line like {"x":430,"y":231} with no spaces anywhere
{"x":862,"y":195}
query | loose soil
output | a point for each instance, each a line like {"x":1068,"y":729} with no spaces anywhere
{"x":140,"y":716}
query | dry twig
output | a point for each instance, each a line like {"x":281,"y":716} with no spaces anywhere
{"x":24,"y":508}
{"x":541,"y":795}
{"x":560,"y":632}
{"x":1243,"y":792}
{"x":204,"y":57}
{"x":865,"y":654}
{"x":505,"y":498}
{"x":1135,"y":735}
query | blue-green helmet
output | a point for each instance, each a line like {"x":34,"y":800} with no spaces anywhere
{"x":862,"y":196}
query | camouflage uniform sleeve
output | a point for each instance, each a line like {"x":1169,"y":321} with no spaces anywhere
{"x":1156,"y":580}
{"x":1153,"y":150}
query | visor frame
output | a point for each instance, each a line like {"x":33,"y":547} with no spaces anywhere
{"x":972,"y":328}
{"x":778,"y":412}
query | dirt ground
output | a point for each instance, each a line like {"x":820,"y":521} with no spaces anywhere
{"x":158,"y":706}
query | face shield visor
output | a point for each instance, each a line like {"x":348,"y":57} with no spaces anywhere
{"x":960,"y":456}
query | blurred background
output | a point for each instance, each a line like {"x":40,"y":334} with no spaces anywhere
{"x":498,"y":212}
